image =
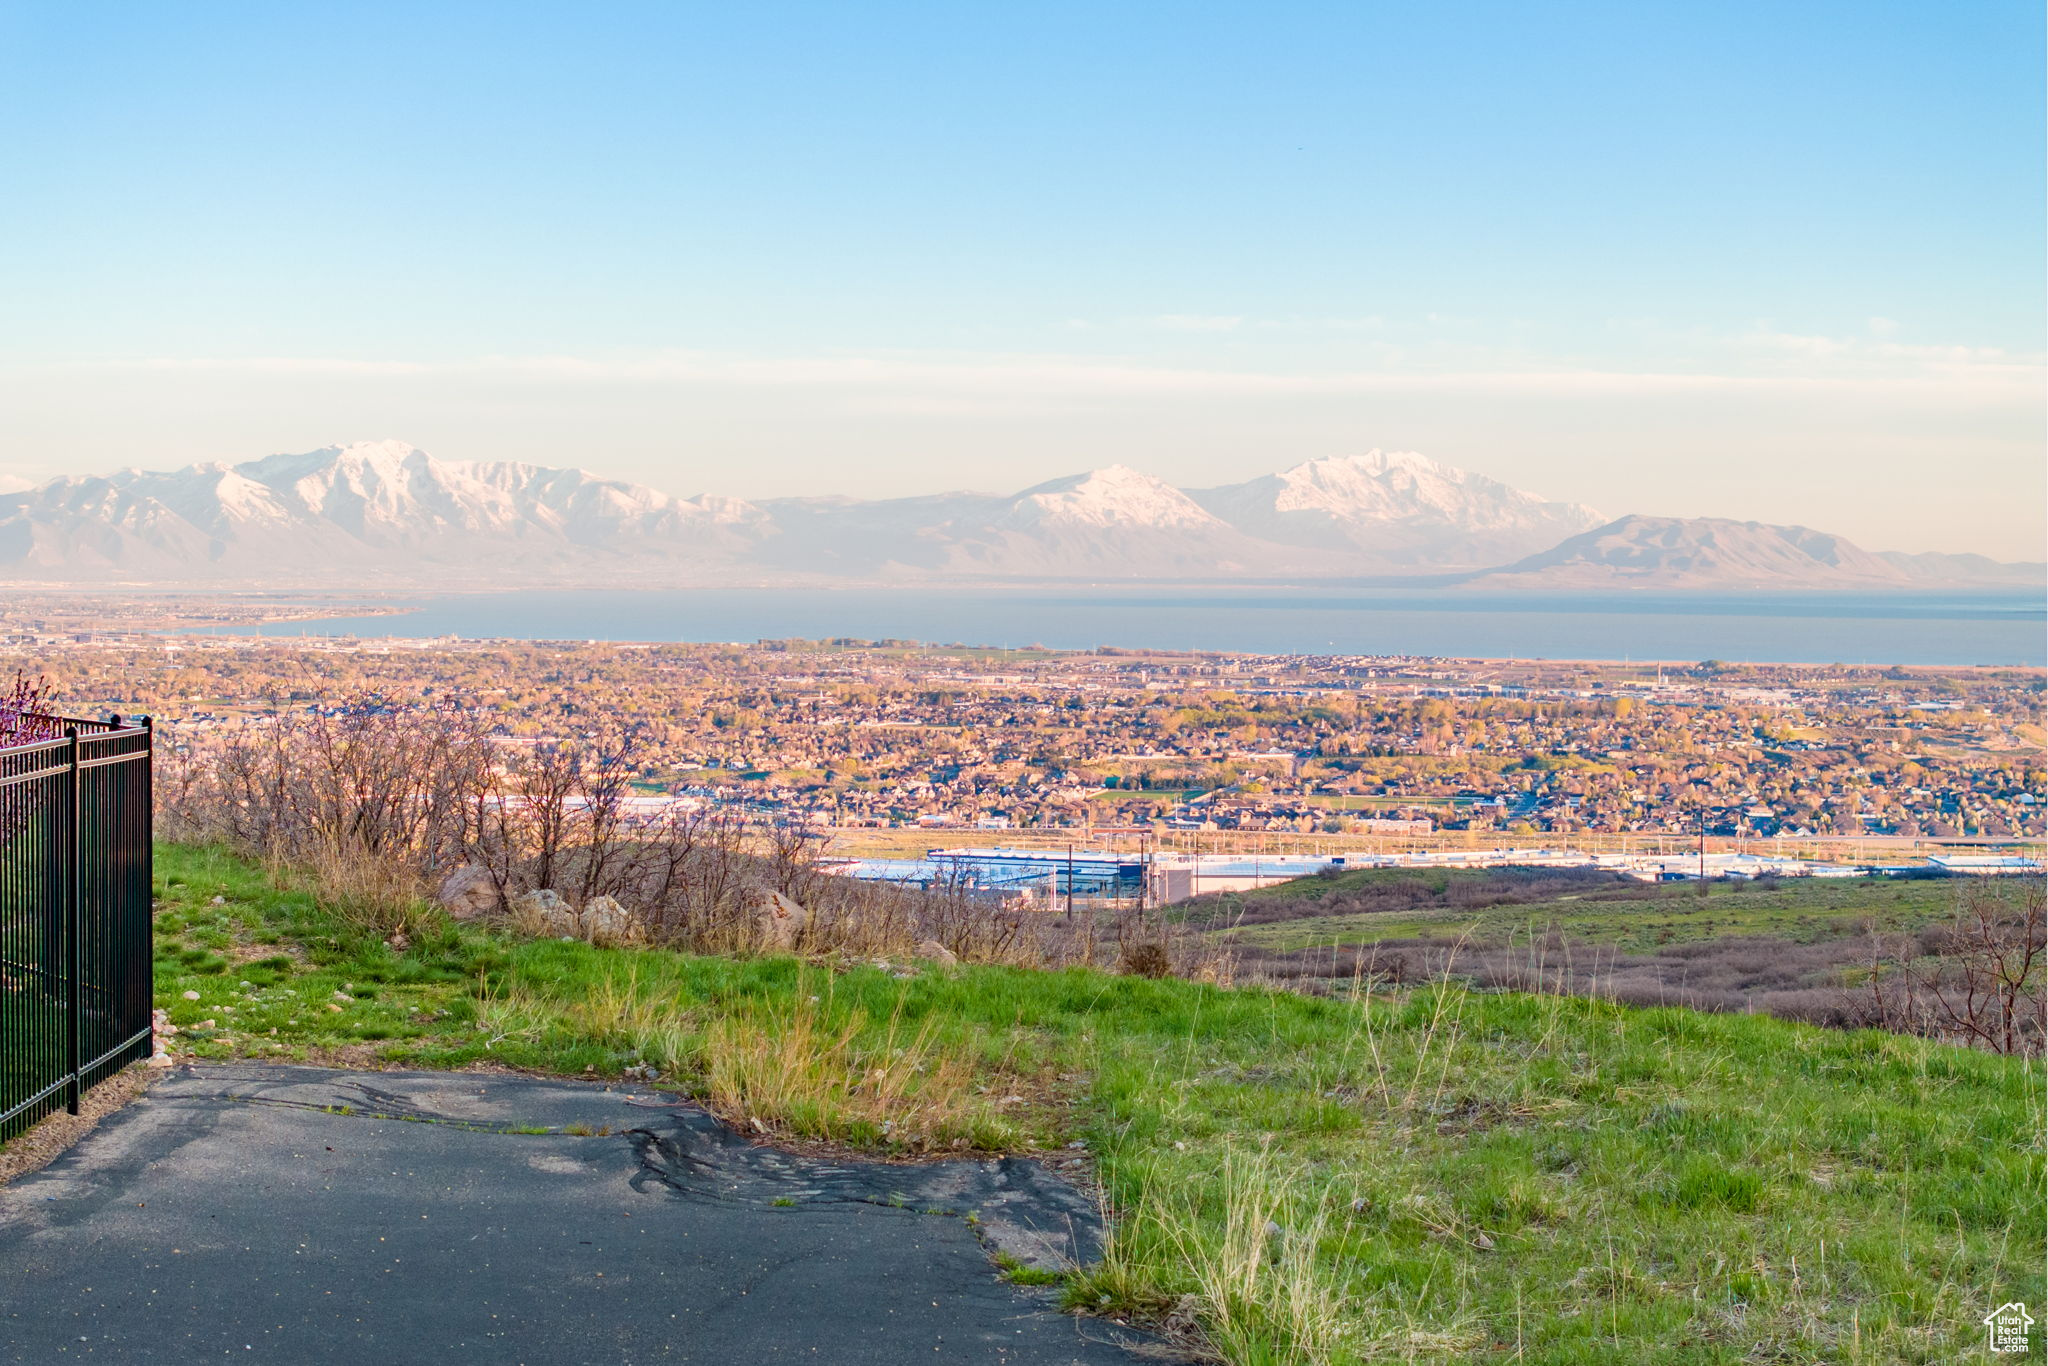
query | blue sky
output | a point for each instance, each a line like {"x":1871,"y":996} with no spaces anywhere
{"x":1780,"y":261}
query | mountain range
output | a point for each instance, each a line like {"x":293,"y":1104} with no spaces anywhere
{"x":387,"y":513}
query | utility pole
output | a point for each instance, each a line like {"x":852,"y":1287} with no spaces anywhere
{"x":1144,"y":872}
{"x":1703,"y":851}
{"x":1070,"y":879}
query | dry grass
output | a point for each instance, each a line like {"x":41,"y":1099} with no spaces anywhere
{"x":370,"y":893}
{"x":1262,"y":1294}
{"x":801,"y":1064}
{"x":788,"y":1065}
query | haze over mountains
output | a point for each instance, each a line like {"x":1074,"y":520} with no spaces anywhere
{"x":385,"y":513}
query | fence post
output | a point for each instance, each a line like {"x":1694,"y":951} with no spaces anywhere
{"x":74,"y":920}
{"x":149,"y":856}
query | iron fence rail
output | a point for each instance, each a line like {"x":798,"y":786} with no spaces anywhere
{"x":75,"y":829}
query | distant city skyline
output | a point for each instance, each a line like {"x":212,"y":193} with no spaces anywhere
{"x":1772,"y":263}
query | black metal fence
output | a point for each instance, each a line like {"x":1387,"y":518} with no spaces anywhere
{"x":75,"y":825}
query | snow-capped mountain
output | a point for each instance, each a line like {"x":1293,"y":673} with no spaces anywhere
{"x":1113,"y":522}
{"x":1397,"y":509}
{"x":381,"y":508}
{"x":387,"y":513}
{"x":1116,"y":496}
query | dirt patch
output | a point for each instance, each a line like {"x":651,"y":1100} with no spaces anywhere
{"x":46,"y":1140}
{"x":244,"y":951}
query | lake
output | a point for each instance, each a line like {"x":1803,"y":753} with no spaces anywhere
{"x":1849,"y":628}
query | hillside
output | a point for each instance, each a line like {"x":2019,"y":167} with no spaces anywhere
{"x":1699,"y":552}
{"x":1937,"y":569}
{"x":1427,"y":1175}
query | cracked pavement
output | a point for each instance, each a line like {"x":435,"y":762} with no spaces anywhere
{"x":300,"y":1215}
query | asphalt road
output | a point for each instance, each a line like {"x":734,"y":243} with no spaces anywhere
{"x":303,"y":1216}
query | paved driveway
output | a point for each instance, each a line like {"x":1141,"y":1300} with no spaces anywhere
{"x":298,"y":1215}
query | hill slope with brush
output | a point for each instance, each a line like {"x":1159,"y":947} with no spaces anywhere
{"x":1426,"y":1175}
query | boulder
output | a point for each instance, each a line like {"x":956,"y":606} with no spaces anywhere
{"x":605,"y":921}
{"x":932,"y":951}
{"x":779,"y":921}
{"x":544,"y":912}
{"x":469,"y":892}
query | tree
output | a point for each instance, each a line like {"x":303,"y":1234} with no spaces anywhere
{"x":1976,"y":979}
{"x":24,"y":711}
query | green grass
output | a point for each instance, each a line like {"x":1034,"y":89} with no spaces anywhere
{"x":279,"y":977}
{"x":1436,"y":1176}
{"x":1018,"y":1273}
{"x":1799,"y":909}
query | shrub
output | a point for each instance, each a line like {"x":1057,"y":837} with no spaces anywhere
{"x":380,"y":803}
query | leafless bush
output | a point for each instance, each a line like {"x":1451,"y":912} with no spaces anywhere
{"x":366,"y":800}
{"x":380,"y":804}
{"x":365,"y":780}
{"x":1976,"y":978}
{"x":1145,"y":956}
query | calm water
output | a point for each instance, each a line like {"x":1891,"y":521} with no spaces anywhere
{"x":1821,"y":628}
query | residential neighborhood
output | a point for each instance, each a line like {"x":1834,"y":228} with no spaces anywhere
{"x":898,"y":735}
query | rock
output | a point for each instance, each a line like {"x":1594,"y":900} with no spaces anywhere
{"x":544,"y":912}
{"x":605,"y":921}
{"x":160,"y":1023}
{"x":469,"y":892}
{"x":931,"y":950}
{"x":191,"y":995}
{"x":780,"y":921}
